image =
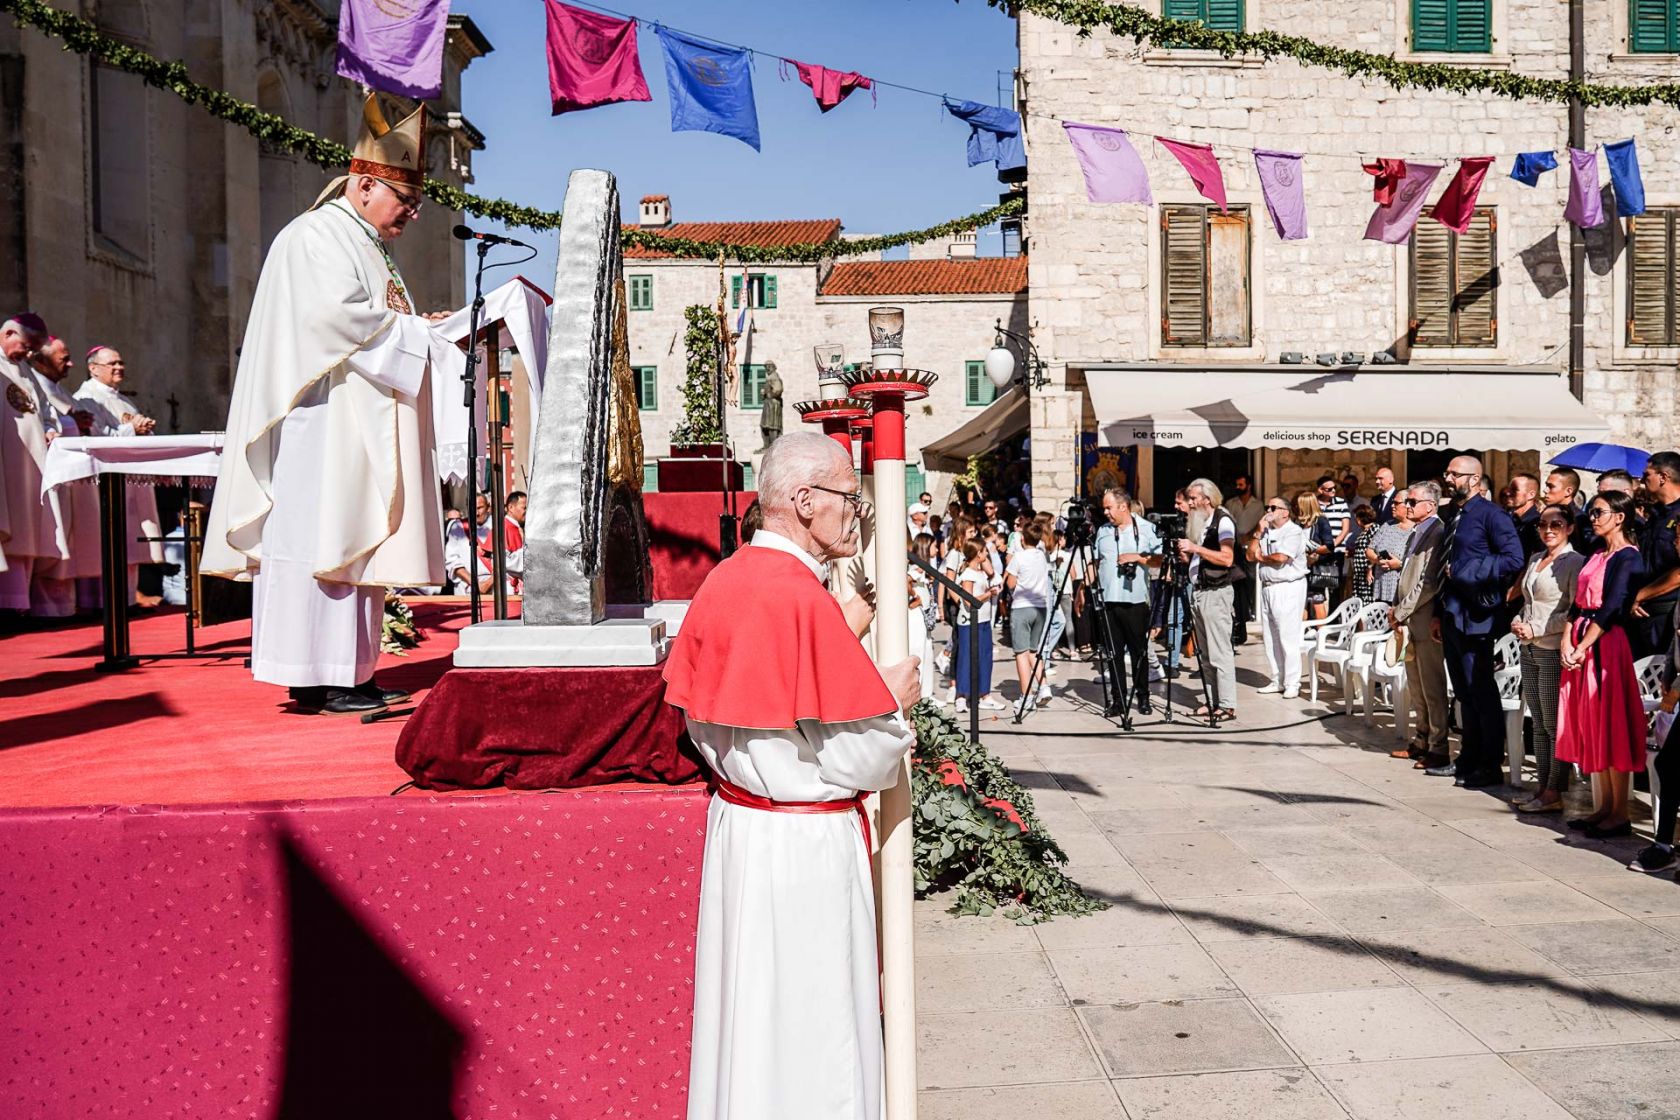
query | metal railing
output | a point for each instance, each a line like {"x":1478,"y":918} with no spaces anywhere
{"x":973,"y":604}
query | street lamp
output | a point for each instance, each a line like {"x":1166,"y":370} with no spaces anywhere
{"x":1000,"y":361}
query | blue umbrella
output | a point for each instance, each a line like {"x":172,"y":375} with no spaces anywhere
{"x":1601,"y":457}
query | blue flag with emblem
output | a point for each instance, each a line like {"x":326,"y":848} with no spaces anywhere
{"x":711,"y":87}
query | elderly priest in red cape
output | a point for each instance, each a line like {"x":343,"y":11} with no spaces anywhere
{"x":328,"y":491}
{"x":796,"y":723}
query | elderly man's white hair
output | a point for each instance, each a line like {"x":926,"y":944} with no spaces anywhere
{"x":794,"y":460}
{"x":1206,"y":486}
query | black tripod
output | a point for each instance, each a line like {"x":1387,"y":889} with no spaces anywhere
{"x":1114,"y":696}
{"x":1167,"y":603}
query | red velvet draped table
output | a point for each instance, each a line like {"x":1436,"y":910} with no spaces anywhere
{"x":683,"y":538}
{"x":474,"y":957}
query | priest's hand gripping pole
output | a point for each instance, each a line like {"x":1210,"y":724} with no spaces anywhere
{"x":887,"y":389}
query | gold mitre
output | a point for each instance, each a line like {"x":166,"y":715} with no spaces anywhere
{"x":387,"y":152}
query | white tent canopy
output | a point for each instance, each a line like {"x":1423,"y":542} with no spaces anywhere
{"x":1003,"y":419}
{"x":1397,"y":408}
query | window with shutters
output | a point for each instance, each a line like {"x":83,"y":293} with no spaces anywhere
{"x":1455,"y":26}
{"x":752,"y":386}
{"x":1654,"y":26}
{"x":647,"y":387}
{"x":977,"y":387}
{"x":641,"y":292}
{"x":1204,"y":276}
{"x":1220,"y":15}
{"x":761,"y":290}
{"x":1653,"y":303}
{"x":1455,"y":284}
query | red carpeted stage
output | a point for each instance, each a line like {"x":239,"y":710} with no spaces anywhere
{"x":213,"y":907}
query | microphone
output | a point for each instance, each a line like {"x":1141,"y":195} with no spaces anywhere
{"x":463,"y":233}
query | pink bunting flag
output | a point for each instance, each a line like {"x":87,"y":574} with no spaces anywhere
{"x":1393,"y":223}
{"x":1586,"y":204}
{"x":1113,"y":171}
{"x":592,"y":60}
{"x":1457,"y":204}
{"x":1199,"y":161}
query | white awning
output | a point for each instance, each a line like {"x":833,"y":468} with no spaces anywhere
{"x":1003,"y":419}
{"x":1371,"y":408}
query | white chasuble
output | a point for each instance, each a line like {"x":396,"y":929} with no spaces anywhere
{"x":78,"y":503}
{"x":31,"y":538}
{"x":329,"y":464}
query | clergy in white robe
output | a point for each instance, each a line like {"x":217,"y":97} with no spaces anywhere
{"x":797,"y":724}
{"x":114,"y":413}
{"x":328,"y":491}
{"x":74,"y":508}
{"x":29,"y":533}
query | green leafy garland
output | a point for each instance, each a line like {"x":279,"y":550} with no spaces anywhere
{"x":963,"y":839}
{"x":700,"y":407}
{"x":83,"y":37}
{"x":1138,"y":24}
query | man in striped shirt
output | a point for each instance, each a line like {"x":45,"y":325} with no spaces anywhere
{"x":1336,"y":511}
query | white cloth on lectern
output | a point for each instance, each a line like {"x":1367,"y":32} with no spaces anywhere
{"x":305,"y":632}
{"x":113,"y":415}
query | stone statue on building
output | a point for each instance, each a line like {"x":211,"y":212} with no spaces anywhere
{"x":770,"y":418}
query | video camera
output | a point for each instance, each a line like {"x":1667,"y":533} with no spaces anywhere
{"x":1081,"y":529}
{"x":1172,"y":527}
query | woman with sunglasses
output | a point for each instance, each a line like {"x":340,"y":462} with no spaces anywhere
{"x":1547,"y":593}
{"x":1601,"y":722}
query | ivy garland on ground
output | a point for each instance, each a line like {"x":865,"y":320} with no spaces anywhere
{"x":83,"y":37}
{"x":1138,"y":24}
{"x":976,"y":831}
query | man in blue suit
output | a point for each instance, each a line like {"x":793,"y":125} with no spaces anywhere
{"x":1484,"y":555}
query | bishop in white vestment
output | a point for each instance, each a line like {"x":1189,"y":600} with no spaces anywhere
{"x":74,"y":508}
{"x":797,"y":725}
{"x":29,"y":537}
{"x":328,"y":492}
{"x":114,"y":413}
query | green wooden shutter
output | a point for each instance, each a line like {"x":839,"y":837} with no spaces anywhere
{"x":1476,"y":283}
{"x":647,"y":388}
{"x":769,"y":291}
{"x":734,"y":291}
{"x":1184,"y":9}
{"x":1431,"y":25}
{"x":1432,"y":289}
{"x":1651,"y":279}
{"x":978,"y":389}
{"x":1224,"y":15}
{"x":1654,"y":26}
{"x":752,"y":386}
{"x":1472,"y":26}
{"x":1184,"y":276}
{"x":641,"y":293}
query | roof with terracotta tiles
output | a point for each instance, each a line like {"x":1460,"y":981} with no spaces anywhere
{"x":763,"y":234}
{"x":971,"y":276}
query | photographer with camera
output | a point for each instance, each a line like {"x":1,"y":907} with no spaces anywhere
{"x":1213,"y":574}
{"x":1126,"y":549}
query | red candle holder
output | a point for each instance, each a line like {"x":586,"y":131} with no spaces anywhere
{"x":887,"y":390}
{"x":836,"y":417}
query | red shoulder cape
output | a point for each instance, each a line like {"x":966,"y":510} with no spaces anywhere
{"x":764,"y":645}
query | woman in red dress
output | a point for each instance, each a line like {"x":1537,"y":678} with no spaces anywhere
{"x":1601,"y":723}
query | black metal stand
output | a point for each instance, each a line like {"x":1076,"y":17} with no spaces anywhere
{"x":469,"y":381}
{"x":1114,"y":696}
{"x":1172,"y":610}
{"x":729,"y":532}
{"x":113,"y":569}
{"x":972,"y":602}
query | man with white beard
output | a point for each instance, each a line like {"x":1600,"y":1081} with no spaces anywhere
{"x":27,"y":527}
{"x":115,"y":414}
{"x":75,"y":509}
{"x":1210,"y":547}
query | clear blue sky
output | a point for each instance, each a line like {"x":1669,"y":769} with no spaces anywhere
{"x":879,"y":167}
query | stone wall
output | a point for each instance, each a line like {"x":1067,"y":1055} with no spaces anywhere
{"x":1094,"y":268}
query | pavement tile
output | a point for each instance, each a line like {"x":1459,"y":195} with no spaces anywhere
{"x":1511,"y":904}
{"x":1281,"y":965}
{"x":1290,"y":840}
{"x":1413,"y":908}
{"x":985,"y":981}
{"x":1578,"y":862}
{"x":1072,"y":1100}
{"x":1542,"y":1016}
{"x":1372,"y":1025}
{"x":1608,"y":1083}
{"x":1470,"y":862}
{"x":1468,"y":1088}
{"x":1186,"y":864}
{"x":1265,"y":1094}
{"x":1193,"y":1036}
{"x":1239,"y":917}
{"x":938,"y":932}
{"x":968,"y":1048}
{"x":1344,"y":869}
{"x":1601,"y":948}
{"x":1668,"y":926}
{"x":1132,"y":918}
{"x":1140,"y":974}
{"x":1458,"y":805}
{"x":1481,"y":955}
{"x":1635,"y":894}
{"x":1654,"y":995}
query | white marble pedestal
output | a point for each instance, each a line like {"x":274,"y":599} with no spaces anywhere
{"x":511,"y":644}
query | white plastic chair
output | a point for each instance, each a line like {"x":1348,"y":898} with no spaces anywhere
{"x":1335,"y":647}
{"x":1649,"y":672}
{"x":1507,"y":653}
{"x":1313,"y":629}
{"x":1509,"y":680}
{"x":1379,"y":671}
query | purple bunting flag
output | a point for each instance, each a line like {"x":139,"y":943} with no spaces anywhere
{"x":1393,"y":223}
{"x":1113,"y":171}
{"x":1285,"y":194}
{"x":394,"y":45}
{"x":1586,"y":205}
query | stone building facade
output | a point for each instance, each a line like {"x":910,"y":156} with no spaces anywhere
{"x":1097,"y":279}
{"x":951,"y":300}
{"x":130,"y":218}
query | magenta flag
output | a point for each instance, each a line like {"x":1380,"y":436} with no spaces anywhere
{"x":1203,"y":167}
{"x":592,"y":60}
{"x":1393,"y":223}
{"x":393,"y":45}
{"x":1285,"y":194}
{"x":1586,"y":205}
{"x":1113,"y":171}
{"x":1457,"y":204}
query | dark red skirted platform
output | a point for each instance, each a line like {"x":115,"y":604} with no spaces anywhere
{"x":683,"y":538}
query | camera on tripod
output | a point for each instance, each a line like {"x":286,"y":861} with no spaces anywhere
{"x":1080,"y":529}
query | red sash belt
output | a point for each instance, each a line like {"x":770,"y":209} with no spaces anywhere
{"x":735,"y":795}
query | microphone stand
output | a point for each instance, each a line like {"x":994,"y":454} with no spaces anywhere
{"x":469,"y":381}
